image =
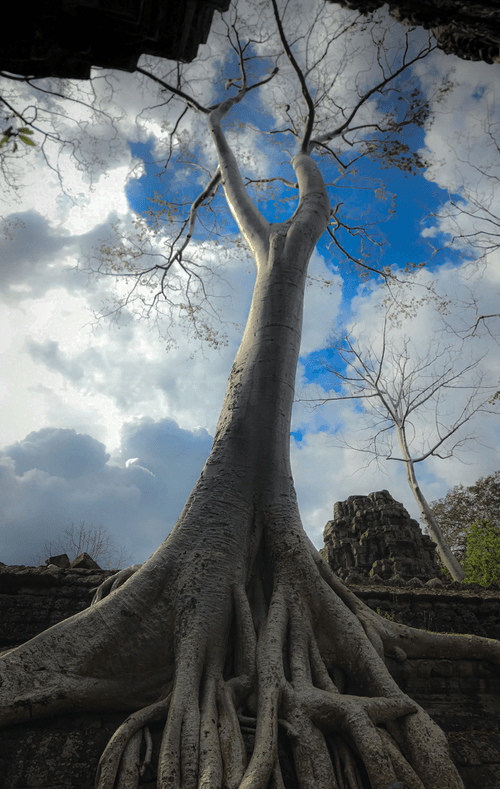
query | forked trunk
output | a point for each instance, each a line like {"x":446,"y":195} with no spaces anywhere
{"x":236,"y":620}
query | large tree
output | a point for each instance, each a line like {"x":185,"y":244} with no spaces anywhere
{"x":236,"y":619}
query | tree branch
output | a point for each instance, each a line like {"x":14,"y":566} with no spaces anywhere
{"x":305,"y":143}
{"x":327,"y":136}
{"x":195,"y":105}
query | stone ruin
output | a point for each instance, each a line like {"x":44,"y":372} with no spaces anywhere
{"x":461,"y":696}
{"x":373,"y":536}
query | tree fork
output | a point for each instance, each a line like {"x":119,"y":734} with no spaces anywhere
{"x":239,"y":565}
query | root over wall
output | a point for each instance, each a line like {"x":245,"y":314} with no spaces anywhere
{"x":463,"y":696}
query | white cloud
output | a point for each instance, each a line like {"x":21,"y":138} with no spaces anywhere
{"x":462,"y":144}
{"x":56,"y":476}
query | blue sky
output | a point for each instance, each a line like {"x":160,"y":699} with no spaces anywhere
{"x":101,"y":422}
{"x":409,"y":200}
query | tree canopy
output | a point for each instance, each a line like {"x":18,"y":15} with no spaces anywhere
{"x":464,"y":505}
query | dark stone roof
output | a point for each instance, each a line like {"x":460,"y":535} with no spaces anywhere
{"x":65,"y":38}
{"x":469,"y":29}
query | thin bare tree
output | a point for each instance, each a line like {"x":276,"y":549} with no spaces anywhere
{"x":85,"y":538}
{"x":416,"y":404}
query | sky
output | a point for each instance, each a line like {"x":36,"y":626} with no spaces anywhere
{"x":109,"y":420}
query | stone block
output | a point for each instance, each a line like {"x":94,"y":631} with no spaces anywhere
{"x":59,"y":561}
{"x":84,"y":562}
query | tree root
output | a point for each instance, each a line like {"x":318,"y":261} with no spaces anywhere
{"x":401,"y":641}
{"x":122,"y":751}
{"x":289,"y":648}
{"x":114,"y":582}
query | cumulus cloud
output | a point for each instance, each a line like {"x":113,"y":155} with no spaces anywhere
{"x":461,"y":145}
{"x":60,"y":453}
{"x":55,"y":476}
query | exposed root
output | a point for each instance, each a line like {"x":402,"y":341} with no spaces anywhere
{"x":211,"y":759}
{"x":127,"y":733}
{"x":404,"y":771}
{"x":180,"y":745}
{"x":114,"y":582}
{"x":278,"y":777}
{"x":149,"y":750}
{"x":231,"y":741}
{"x":128,"y":775}
{"x":299,"y":672}
{"x":290,"y":648}
{"x":352,"y":778}
{"x":401,"y":641}
{"x":270,"y":674}
{"x":334,"y":748}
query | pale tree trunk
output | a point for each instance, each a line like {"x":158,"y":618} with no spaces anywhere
{"x":448,"y":558}
{"x":236,"y":619}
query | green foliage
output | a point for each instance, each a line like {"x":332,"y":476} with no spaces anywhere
{"x":11,"y":135}
{"x":482,"y":559}
{"x":462,"y":506}
{"x":386,"y":615}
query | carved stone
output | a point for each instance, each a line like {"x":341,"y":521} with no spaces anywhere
{"x":65,"y":38}
{"x":374,"y":536}
{"x":465,"y":28}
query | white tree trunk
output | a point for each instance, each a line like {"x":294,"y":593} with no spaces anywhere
{"x":449,"y":560}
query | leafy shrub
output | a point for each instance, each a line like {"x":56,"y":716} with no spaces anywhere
{"x":482,"y":558}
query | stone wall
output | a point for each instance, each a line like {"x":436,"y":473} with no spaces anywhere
{"x":35,"y":598}
{"x":462,"y":696}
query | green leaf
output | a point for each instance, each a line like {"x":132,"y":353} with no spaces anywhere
{"x":15,"y":147}
{"x":26,"y":131}
{"x":4,"y":139}
{"x":26,"y":140}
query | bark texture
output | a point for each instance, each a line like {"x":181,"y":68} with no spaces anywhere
{"x":236,"y":619}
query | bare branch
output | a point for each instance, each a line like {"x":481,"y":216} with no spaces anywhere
{"x":327,"y":136}
{"x":190,"y":101}
{"x":305,"y":143}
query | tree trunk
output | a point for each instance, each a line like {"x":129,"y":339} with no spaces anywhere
{"x":449,"y":560}
{"x":236,"y":619}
